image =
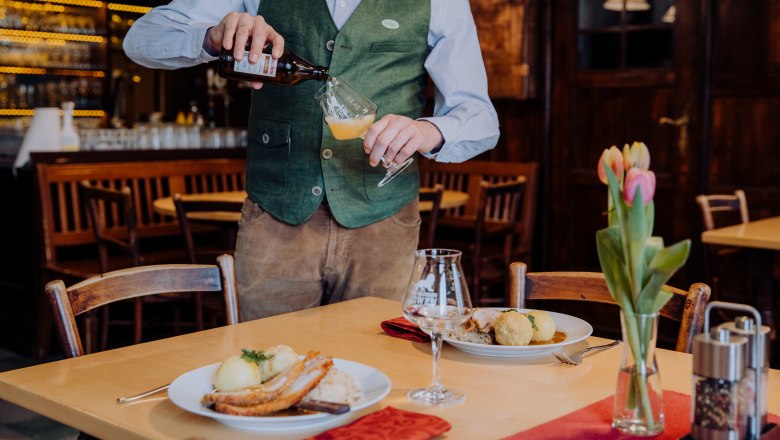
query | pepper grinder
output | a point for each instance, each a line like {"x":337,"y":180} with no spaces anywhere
{"x":719,"y":381}
{"x":755,"y":366}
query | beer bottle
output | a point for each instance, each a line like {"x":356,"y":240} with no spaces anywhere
{"x":289,"y":69}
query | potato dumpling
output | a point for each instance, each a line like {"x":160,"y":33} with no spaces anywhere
{"x":279,"y":358}
{"x":513,"y":328}
{"x":236,"y":373}
{"x":543,"y":324}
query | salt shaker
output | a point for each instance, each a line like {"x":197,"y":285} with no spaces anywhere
{"x":719,"y":381}
{"x":756,"y":366}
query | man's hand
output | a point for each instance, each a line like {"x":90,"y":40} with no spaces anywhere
{"x":235,"y":30}
{"x":398,"y":137}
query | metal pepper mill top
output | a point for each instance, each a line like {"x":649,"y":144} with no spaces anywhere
{"x":719,"y":355}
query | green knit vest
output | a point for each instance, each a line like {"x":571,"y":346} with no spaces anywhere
{"x":293,"y":161}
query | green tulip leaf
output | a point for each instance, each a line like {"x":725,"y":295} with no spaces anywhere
{"x":671,"y":258}
{"x":650,"y":216}
{"x":612,"y":264}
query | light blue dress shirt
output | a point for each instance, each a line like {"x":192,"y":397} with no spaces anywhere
{"x":171,"y":37}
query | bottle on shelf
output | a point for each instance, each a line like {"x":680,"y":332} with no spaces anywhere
{"x":69,"y":138}
{"x":289,"y":69}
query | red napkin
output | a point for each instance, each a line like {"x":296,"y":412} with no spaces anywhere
{"x":402,"y":328}
{"x":595,"y":422}
{"x":391,"y":424}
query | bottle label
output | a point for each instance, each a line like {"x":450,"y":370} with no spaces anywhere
{"x":266,"y":66}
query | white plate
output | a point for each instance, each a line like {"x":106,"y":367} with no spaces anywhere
{"x":575,"y":328}
{"x":187,"y":390}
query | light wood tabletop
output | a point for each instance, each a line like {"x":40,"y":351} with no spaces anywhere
{"x":759,"y":234}
{"x":164,"y":205}
{"x":503,"y":396}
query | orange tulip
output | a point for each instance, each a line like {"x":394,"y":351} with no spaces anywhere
{"x":613,"y":158}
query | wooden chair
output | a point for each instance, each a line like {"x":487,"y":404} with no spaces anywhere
{"x":185,"y":207}
{"x":111,"y":216}
{"x":195,"y":254}
{"x":142,"y":281}
{"x":720,"y":210}
{"x":431,"y":218}
{"x":716,"y":207}
{"x":498,"y":205}
{"x":687,"y":308}
{"x":65,"y":234}
{"x":467,"y":177}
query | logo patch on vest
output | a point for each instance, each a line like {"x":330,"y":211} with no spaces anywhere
{"x":390,"y":24}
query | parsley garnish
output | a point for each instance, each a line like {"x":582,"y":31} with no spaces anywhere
{"x":254,"y":356}
{"x":533,"y":322}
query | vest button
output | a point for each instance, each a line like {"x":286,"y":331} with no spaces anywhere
{"x":330,"y":45}
{"x":266,"y":138}
{"x":317,"y":191}
{"x":327,"y":153}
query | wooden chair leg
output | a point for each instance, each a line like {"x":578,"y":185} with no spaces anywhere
{"x":138,"y":320}
{"x":44,"y":328}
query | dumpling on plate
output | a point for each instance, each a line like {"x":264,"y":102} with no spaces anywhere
{"x":513,"y":328}
{"x":543,"y":325}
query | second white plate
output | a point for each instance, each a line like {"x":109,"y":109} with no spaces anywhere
{"x":187,"y":390}
{"x":575,"y":328}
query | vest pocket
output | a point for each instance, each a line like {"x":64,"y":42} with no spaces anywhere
{"x":268,"y":156}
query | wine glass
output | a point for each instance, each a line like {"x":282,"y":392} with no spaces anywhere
{"x":437,"y":299}
{"x":349,"y":115}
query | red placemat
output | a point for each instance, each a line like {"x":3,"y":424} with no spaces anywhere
{"x":595,"y":422}
{"x":402,"y":328}
{"x":390,"y":424}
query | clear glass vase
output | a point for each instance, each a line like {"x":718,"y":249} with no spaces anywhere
{"x":639,"y":408}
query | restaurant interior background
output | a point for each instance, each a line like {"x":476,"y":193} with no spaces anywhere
{"x":697,"y":80}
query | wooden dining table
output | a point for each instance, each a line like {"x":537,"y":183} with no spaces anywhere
{"x":758,"y":234}
{"x":762,"y":239}
{"x":503,"y":395}
{"x":164,"y":205}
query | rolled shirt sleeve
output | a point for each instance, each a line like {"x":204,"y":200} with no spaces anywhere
{"x":171,"y":36}
{"x":462,"y":112}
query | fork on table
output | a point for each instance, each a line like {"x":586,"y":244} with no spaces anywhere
{"x":576,"y":358}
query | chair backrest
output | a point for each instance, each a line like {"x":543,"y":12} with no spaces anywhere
{"x":63,"y":221}
{"x":432,"y":195}
{"x":498,"y":204}
{"x":69,"y":302}
{"x":111,"y":214}
{"x":467,"y":176}
{"x":687,"y":308}
{"x":719,"y":210}
{"x":184,"y":206}
{"x":497,"y":210}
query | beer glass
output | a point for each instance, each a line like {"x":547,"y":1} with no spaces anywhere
{"x":349,"y":115}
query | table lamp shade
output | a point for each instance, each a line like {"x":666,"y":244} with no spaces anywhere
{"x":42,"y":135}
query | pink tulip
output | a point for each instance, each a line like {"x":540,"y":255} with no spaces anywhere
{"x":639,"y":178}
{"x":637,"y":155}
{"x":614,"y":159}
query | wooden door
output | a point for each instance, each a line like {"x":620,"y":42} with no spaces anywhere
{"x":618,"y":77}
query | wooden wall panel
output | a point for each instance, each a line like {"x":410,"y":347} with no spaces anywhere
{"x":745,"y":150}
{"x":506,"y":39}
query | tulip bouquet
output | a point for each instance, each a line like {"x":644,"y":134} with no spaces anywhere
{"x":636,"y":265}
